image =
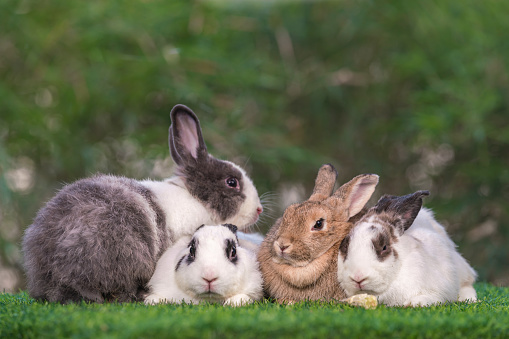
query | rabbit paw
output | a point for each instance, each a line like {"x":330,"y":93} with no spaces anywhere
{"x":238,"y":300}
{"x":467,"y":293}
{"x":154,"y":299}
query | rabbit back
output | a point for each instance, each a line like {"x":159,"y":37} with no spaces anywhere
{"x":97,"y":239}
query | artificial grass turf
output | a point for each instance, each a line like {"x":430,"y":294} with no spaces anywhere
{"x":21,"y":316}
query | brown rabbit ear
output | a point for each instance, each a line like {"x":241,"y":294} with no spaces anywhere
{"x":324,"y":183}
{"x":355,"y":194}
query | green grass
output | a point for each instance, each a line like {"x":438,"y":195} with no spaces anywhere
{"x":21,"y":316}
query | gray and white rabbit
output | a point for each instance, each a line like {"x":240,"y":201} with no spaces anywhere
{"x":398,"y":252}
{"x":99,"y":238}
{"x":209,"y":266}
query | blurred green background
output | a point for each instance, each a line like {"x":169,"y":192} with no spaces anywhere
{"x":415,"y":91}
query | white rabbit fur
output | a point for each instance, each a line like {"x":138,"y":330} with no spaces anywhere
{"x":420,"y":265}
{"x":208,"y":272}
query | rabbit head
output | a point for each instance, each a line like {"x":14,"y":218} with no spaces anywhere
{"x":220,"y":185}
{"x":368,"y":259}
{"x":213,"y":267}
{"x":310,"y":228}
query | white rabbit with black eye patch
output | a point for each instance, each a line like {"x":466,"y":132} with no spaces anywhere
{"x":210,"y":266}
{"x":401,"y":254}
{"x":99,"y":238}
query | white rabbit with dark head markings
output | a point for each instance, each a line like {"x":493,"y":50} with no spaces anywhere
{"x":99,"y":238}
{"x":209,"y":266}
{"x":400,"y":253}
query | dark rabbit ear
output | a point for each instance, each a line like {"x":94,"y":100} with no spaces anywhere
{"x":384,"y":202}
{"x":231,"y":227}
{"x":404,"y":209}
{"x":353,"y":195}
{"x":185,"y":138}
{"x":324,"y":183}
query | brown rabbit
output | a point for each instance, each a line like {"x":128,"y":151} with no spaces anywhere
{"x":298,"y":258}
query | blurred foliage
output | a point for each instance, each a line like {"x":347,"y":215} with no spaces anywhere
{"x":415,"y":91}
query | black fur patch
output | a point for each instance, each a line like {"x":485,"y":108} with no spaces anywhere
{"x":343,"y":248}
{"x":382,"y":245}
{"x":193,"y":247}
{"x":231,"y":248}
{"x":232,"y":228}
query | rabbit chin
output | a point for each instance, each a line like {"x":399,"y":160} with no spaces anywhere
{"x":372,"y":289}
{"x":211,"y":297}
{"x":206,"y":294}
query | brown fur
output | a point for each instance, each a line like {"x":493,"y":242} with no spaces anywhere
{"x":307,"y":267}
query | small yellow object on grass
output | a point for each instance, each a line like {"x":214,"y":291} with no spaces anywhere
{"x":364,"y":300}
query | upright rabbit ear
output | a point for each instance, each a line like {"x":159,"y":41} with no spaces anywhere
{"x":324,"y":183}
{"x":355,"y":194}
{"x":404,"y":209}
{"x":185,"y":138}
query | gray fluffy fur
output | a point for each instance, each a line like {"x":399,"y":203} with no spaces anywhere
{"x":91,"y":242}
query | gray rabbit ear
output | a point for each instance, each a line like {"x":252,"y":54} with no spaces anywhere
{"x":403,"y":209}
{"x":185,"y":137}
{"x":324,"y":183}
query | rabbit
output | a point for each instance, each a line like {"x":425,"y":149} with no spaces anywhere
{"x":398,"y":252}
{"x":298,"y":256}
{"x":98,"y":239}
{"x":209,"y":266}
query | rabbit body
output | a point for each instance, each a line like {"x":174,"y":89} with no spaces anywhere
{"x":401,"y":254}
{"x":99,"y":238}
{"x":209,"y":266}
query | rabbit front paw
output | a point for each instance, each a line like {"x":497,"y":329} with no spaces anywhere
{"x":238,"y":300}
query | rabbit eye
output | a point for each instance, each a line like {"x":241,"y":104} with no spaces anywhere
{"x":319,"y":224}
{"x":384,"y":248}
{"x":231,"y":251}
{"x":192,"y":250}
{"x":232,"y":182}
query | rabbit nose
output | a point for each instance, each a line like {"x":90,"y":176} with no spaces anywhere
{"x":259,"y":210}
{"x":358,"y":279}
{"x":283,"y":247}
{"x":209,"y":280}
